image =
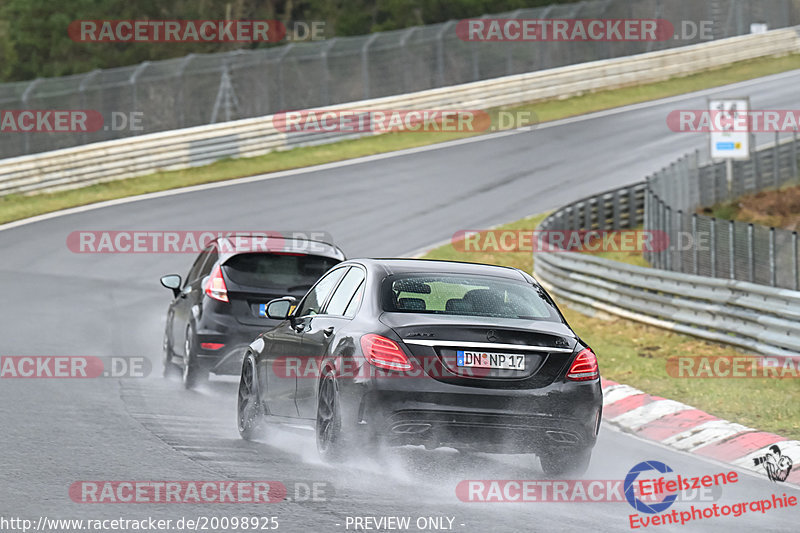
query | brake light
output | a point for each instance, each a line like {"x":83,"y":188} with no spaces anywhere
{"x":211,"y":345}
{"x":584,"y":367}
{"x":384,"y":353}
{"x":215,"y":286}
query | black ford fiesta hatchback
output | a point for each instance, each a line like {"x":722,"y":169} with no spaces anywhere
{"x":220,"y":307}
{"x":434,"y":353}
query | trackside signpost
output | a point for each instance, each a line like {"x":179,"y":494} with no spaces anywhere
{"x":729,"y":139}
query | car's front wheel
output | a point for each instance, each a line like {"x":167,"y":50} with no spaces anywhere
{"x":565,"y":462}
{"x":193,"y":375}
{"x":329,"y":421}
{"x":249,"y":414}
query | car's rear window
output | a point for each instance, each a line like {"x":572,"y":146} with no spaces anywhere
{"x":288,"y":272}
{"x":450,"y":294}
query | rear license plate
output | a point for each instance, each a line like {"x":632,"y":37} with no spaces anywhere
{"x":506,"y":361}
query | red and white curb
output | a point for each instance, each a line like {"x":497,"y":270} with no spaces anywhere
{"x":687,"y":429}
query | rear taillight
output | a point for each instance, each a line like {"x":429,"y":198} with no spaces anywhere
{"x":215,"y":286}
{"x":584,"y":367}
{"x":211,"y":345}
{"x":384,"y":353}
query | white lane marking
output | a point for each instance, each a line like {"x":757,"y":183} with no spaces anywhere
{"x":703,"y":434}
{"x":619,"y":392}
{"x":398,"y":153}
{"x":636,"y":418}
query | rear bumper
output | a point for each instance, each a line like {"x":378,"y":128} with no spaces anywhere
{"x":236,"y":337}
{"x":563,"y":415}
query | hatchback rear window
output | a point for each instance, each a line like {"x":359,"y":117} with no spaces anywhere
{"x":287,"y":272}
{"x":450,"y":294}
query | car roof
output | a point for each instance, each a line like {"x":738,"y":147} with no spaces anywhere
{"x":231,"y":245}
{"x":392,"y":266}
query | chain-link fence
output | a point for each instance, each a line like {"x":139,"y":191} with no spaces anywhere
{"x":205,"y":89}
{"x":719,"y":248}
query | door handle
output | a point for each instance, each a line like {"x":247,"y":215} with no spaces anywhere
{"x":328,"y":331}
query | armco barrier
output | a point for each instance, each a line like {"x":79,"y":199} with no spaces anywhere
{"x":754,"y":317}
{"x":171,"y":150}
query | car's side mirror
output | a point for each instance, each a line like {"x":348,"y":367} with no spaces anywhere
{"x":280,"y":308}
{"x":172,"y":281}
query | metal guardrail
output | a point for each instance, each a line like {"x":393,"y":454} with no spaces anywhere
{"x":202,"y":89}
{"x":724,"y":248}
{"x":178,"y":149}
{"x":751,"y":316}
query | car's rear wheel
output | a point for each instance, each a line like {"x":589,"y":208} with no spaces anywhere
{"x":329,"y":421}
{"x":193,"y":375}
{"x":249,"y":414}
{"x":565,"y":462}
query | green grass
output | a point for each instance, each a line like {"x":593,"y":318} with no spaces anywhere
{"x":636,"y":354}
{"x":14,"y":207}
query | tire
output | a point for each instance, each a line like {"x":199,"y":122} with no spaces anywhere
{"x":192,"y":375}
{"x":565,"y":462}
{"x":169,"y":369}
{"x":249,"y":412}
{"x":330,"y":442}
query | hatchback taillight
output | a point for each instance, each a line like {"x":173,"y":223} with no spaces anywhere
{"x":584,"y":367}
{"x":215,"y":286}
{"x":384,"y":353}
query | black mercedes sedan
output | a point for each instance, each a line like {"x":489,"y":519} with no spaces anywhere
{"x":392,"y":352}
{"x":220,"y":307}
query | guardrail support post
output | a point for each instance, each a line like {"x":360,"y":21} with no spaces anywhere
{"x":772,"y":273}
{"x":794,"y":154}
{"x":751,"y":267}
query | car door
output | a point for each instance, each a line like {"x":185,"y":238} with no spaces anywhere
{"x":181,"y":307}
{"x":322,"y":336}
{"x":285,"y":359}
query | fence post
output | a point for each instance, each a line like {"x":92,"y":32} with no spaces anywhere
{"x":325,"y":88}
{"x":772,"y":273}
{"x":775,"y":167}
{"x":731,"y":251}
{"x":403,"y":46}
{"x":24,"y":99}
{"x":795,"y":268}
{"x":365,"y":64}
{"x":132,"y":82}
{"x":281,"y":88}
{"x":794,"y":154}
{"x":695,"y":266}
{"x":713,"y":244}
{"x":668,"y":227}
{"x":82,"y":91}
{"x":678,"y":235}
{"x":440,"y":81}
{"x":751,"y":267}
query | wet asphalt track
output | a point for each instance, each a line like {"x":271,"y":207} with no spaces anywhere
{"x":55,"y":302}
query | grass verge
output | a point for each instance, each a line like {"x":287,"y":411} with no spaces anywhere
{"x":636,"y":354}
{"x":14,"y":207}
